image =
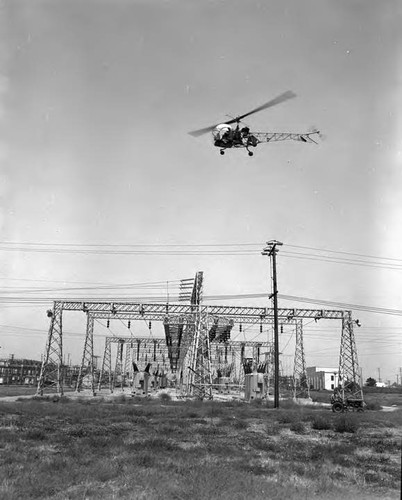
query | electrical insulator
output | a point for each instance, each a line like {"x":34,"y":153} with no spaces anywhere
{"x":150,"y":325}
{"x":129,"y":324}
{"x":240,"y":327}
{"x":260,"y":328}
{"x":281,"y":328}
{"x":107,"y":323}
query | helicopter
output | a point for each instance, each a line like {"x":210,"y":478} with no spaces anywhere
{"x":225,"y":136}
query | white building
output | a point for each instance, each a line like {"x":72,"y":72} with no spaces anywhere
{"x":322,"y":378}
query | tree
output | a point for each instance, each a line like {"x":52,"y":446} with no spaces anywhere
{"x":371,"y":382}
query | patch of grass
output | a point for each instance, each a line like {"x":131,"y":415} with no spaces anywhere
{"x":193,"y":450}
{"x":239,"y":423}
{"x":159,"y":443}
{"x":35,"y":435}
{"x":288,"y":416}
{"x":272,"y":428}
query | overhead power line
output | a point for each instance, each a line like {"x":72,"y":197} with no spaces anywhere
{"x":203,"y":249}
{"x":29,"y":300}
{"x":343,"y":305}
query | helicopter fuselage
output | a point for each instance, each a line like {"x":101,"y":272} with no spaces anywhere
{"x":227,"y":137}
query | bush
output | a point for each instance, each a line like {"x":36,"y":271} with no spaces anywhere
{"x":164,"y":396}
{"x":346,"y":423}
{"x":373,"y":406}
{"x":288,"y":417}
{"x":320,"y":423}
{"x":121,"y":398}
{"x":35,"y":435}
{"x":240,"y":424}
{"x":273,"y":428}
{"x":298,"y":427}
{"x":257,"y":402}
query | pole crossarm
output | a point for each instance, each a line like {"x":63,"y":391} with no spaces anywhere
{"x":158,"y":312}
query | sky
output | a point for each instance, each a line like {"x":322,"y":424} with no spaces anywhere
{"x":99,"y":177}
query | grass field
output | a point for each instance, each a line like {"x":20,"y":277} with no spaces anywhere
{"x":163,"y":449}
{"x":16,"y":390}
{"x":373,"y":396}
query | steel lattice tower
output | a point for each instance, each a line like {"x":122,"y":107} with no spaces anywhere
{"x":349,"y":372}
{"x":51,"y":373}
{"x":106,"y":365}
{"x":199,"y":382}
{"x":300,"y":383}
{"x":87,"y":364}
{"x":119,"y":366}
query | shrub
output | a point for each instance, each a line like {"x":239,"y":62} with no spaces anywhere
{"x":35,"y":434}
{"x":240,"y":424}
{"x":191,"y":414}
{"x":289,"y":404}
{"x":288,"y":417}
{"x":257,"y":402}
{"x":320,"y":423}
{"x":121,"y":398}
{"x":298,"y":427}
{"x":346,"y":423}
{"x":273,"y":428}
{"x":164,"y":396}
{"x":373,"y":406}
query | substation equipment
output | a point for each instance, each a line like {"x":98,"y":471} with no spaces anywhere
{"x":196,"y":346}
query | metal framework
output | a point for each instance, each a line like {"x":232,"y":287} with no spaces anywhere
{"x":300,"y":382}
{"x":138,"y":350}
{"x":225,"y":356}
{"x":195,"y":355}
{"x":199,"y":375}
{"x":157,"y":311}
{"x":87,"y":364}
{"x":52,"y":365}
{"x":349,"y":373}
{"x":284,"y":136}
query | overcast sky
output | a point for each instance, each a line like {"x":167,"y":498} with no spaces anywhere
{"x":96,"y":99}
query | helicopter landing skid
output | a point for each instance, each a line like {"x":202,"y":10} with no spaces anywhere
{"x":250,"y":153}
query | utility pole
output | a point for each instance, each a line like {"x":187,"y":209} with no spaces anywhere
{"x":271,"y":251}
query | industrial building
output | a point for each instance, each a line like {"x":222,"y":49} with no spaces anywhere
{"x":320,"y":378}
{"x":19,"y":371}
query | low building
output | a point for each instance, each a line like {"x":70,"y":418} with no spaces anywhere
{"x":19,"y":371}
{"x":322,"y":378}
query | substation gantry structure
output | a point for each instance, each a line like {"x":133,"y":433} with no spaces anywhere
{"x":131,"y":353}
{"x":195,"y":334}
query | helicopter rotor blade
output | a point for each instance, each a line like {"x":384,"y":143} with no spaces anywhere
{"x":273,"y":102}
{"x":201,"y":131}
